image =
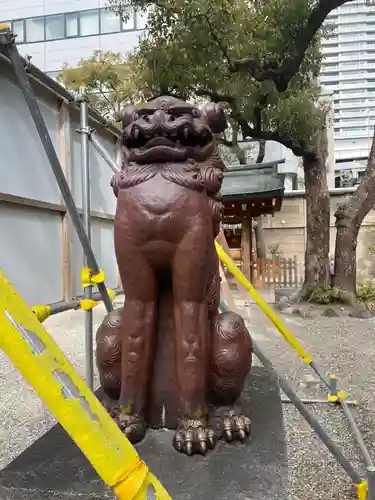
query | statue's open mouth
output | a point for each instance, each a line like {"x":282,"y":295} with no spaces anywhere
{"x":167,"y":144}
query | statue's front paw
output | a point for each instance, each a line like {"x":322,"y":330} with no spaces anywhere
{"x":194,"y":437}
{"x":133,"y":426}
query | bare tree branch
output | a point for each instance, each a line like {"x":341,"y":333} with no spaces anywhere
{"x":268,"y":70}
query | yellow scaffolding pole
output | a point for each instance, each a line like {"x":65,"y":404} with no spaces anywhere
{"x":270,"y":313}
{"x":34,"y":353}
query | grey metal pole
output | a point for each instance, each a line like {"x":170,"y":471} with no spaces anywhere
{"x":352,"y":423}
{"x":62,"y":306}
{"x":357,"y":434}
{"x":319,"y":402}
{"x":307,"y":415}
{"x":370,"y":483}
{"x":310,"y":418}
{"x":86,"y":203}
{"x":7,"y":40}
{"x":103,"y":153}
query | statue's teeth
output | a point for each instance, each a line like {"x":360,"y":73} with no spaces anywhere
{"x":136,"y":133}
{"x":186,"y":132}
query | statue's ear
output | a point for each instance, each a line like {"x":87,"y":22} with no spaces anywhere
{"x":215,"y":117}
{"x":127,"y":115}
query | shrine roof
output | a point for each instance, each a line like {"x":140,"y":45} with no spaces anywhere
{"x":255,"y":181}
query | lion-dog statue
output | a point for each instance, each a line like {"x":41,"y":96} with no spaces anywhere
{"x":168,"y":359}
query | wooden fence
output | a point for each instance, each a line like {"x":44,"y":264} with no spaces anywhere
{"x":277,"y":272}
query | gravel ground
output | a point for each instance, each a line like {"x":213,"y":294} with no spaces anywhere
{"x":343,"y":346}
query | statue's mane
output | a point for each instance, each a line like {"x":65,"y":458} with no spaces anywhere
{"x":197,"y":176}
{"x":205,"y":177}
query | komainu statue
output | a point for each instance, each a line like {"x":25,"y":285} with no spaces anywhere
{"x":168,"y":358}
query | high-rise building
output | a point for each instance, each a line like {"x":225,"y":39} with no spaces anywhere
{"x":348,"y":72}
{"x":55,"y":32}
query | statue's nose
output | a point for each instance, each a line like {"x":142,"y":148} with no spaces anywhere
{"x":159,"y":117}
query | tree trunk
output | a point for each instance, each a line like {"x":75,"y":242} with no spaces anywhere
{"x":317,"y":219}
{"x":258,"y":226}
{"x":349,"y":218}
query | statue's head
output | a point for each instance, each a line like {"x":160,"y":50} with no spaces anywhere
{"x":168,"y":129}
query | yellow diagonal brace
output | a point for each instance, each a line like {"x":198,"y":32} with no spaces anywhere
{"x":268,"y":311}
{"x":34,"y":353}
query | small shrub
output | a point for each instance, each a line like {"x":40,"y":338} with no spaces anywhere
{"x":366,"y":291}
{"x":327,"y":295}
{"x":275,"y":251}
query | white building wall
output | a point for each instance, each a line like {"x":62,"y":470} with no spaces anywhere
{"x":56,"y":32}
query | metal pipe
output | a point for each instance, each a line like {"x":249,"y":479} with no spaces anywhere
{"x":319,"y":401}
{"x":370,"y":483}
{"x":49,"y":149}
{"x":103,"y":153}
{"x":307,"y":415}
{"x":352,"y":423}
{"x":318,"y":372}
{"x":310,"y":418}
{"x":86,"y":204}
{"x":62,"y":306}
{"x":357,"y":434}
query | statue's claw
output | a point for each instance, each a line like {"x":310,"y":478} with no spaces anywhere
{"x":194,"y":437}
{"x":236,"y":427}
{"x":133,"y":426}
{"x":230,"y":425}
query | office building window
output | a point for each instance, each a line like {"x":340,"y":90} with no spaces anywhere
{"x":55,"y":27}
{"x":109,"y":22}
{"x":71,"y":25}
{"x":35,"y":29}
{"x":19,"y":30}
{"x":74,"y":25}
{"x":89,"y":22}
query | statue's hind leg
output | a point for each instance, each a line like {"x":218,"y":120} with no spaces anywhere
{"x":231,"y":352}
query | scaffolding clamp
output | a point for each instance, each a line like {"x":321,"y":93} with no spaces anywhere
{"x":111,"y":294}
{"x":335,"y":398}
{"x":41,"y":312}
{"x":88,"y":278}
{"x":88,"y":304}
{"x":361,"y":490}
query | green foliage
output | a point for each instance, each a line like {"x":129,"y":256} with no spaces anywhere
{"x":190,"y":48}
{"x":326,"y":295}
{"x":366,"y":291}
{"x":276,"y":251}
{"x":107,"y":78}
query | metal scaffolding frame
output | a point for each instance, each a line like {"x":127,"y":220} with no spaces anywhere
{"x":365,"y":487}
{"x":93,"y":275}
{"x":91,"y":272}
